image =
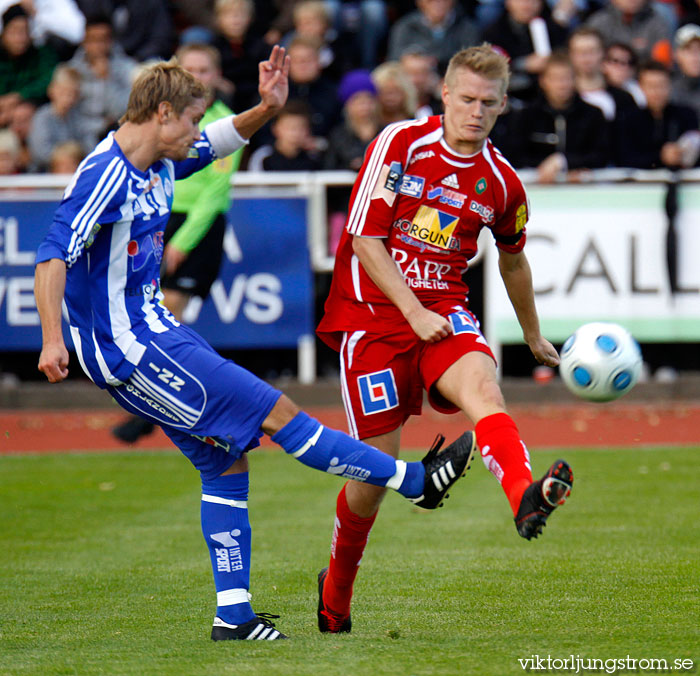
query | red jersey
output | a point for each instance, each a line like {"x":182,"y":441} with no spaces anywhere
{"x":429,"y":204}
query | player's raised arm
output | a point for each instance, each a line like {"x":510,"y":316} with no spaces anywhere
{"x":273,"y":87}
{"x":49,"y":286}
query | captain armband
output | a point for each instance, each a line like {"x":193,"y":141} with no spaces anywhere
{"x":508,"y":240}
{"x":224,"y":136}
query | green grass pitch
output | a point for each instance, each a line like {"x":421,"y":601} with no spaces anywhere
{"x":103,"y":570}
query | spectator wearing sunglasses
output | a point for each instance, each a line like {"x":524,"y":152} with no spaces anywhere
{"x":620,"y":70}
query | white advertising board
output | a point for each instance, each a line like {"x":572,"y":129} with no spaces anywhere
{"x":598,"y":253}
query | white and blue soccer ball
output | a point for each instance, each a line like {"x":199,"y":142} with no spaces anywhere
{"x":601,"y":361}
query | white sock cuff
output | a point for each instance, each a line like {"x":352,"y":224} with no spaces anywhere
{"x":311,"y":442}
{"x":232,"y":597}
{"x":241,"y":504}
{"x":396,"y":481}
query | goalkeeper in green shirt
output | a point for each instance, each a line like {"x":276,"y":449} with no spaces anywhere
{"x":194,"y":235}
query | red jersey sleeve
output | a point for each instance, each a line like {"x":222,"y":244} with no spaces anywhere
{"x":509,"y":228}
{"x":373,"y":200}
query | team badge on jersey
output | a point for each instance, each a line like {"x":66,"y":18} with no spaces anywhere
{"x":480,"y":186}
{"x":93,"y":233}
{"x":435,"y":227}
{"x":378,"y":392}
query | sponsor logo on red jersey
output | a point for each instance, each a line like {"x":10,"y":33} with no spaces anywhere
{"x":447,"y":196}
{"x":435,"y":227}
{"x":484,"y":211}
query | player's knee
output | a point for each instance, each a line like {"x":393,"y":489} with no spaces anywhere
{"x":481,"y":396}
{"x":490,"y":393}
{"x":282,"y":412}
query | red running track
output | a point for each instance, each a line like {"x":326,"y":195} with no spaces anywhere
{"x":541,"y":426}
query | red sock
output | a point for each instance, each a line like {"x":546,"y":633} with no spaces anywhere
{"x":505,"y":455}
{"x":349,"y":540}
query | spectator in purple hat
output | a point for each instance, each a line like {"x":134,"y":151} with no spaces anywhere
{"x":348,"y":141}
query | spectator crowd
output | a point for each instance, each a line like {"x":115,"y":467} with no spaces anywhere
{"x":595,"y":83}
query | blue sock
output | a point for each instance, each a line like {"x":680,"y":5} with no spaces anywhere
{"x":226,"y":530}
{"x":336,"y":453}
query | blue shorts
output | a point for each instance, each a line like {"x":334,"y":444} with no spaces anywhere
{"x":211,"y":408}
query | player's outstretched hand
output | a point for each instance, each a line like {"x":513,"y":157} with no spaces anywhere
{"x":544,"y":352}
{"x":429,"y":326}
{"x":273,"y":78}
{"x":53,"y":362}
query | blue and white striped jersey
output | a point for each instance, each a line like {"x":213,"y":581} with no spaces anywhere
{"x":109,"y":229}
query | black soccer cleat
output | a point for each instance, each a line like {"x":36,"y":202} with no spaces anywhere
{"x":132,"y":429}
{"x":542,"y":497}
{"x":261,"y":628}
{"x":328,"y":622}
{"x":443,"y":469}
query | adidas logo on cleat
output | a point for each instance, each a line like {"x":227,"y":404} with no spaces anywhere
{"x":443,"y":469}
{"x":442,"y":478}
{"x":261,"y":628}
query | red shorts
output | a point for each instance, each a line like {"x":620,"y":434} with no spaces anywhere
{"x":383,"y":375}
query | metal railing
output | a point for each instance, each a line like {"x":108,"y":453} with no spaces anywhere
{"x":314,"y":186}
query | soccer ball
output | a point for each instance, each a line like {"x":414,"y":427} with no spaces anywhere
{"x":600,"y":362}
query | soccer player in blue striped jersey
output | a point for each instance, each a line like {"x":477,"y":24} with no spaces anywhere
{"x":102,"y":256}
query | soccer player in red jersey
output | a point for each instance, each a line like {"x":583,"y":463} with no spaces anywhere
{"x":397,"y":310}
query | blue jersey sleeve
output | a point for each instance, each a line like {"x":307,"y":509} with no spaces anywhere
{"x":201,"y":154}
{"x":95,"y":196}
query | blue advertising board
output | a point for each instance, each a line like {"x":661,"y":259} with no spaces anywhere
{"x":262,"y":298}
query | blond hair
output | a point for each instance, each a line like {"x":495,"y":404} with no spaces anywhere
{"x":65,"y":73}
{"x":211,"y":52}
{"x":10,"y":143}
{"x":309,"y":41}
{"x":314,"y":7}
{"x":160,"y":82}
{"x":483,"y":60}
{"x":391,"y":72}
{"x":68,"y":149}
